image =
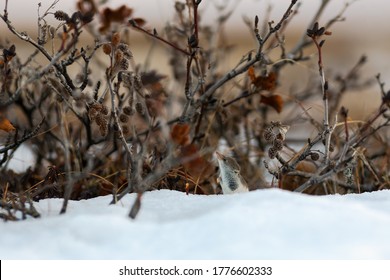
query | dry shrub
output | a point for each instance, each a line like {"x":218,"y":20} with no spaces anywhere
{"x":99,"y":123}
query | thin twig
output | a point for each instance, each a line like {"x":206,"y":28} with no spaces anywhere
{"x":24,"y":138}
{"x":315,"y":33}
{"x":257,"y":58}
{"x":68,"y":166}
{"x":156,"y":36}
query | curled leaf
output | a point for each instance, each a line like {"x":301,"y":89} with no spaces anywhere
{"x":9,"y":53}
{"x":180,"y":134}
{"x":251,"y":73}
{"x":109,"y":16}
{"x":6,"y":125}
{"x":263,"y":82}
{"x":275,"y":101}
{"x":194,"y":163}
{"x":139,"y":21}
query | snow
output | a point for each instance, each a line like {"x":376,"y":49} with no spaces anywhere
{"x":263,"y":224}
{"x":22,"y":159}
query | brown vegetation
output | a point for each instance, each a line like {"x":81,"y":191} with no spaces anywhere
{"x":100,"y":123}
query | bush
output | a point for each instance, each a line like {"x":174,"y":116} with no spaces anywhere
{"x":100,"y":123}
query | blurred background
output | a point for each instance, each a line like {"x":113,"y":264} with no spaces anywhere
{"x":363,"y":31}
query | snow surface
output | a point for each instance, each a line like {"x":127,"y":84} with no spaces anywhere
{"x":22,"y":159}
{"x":263,"y":224}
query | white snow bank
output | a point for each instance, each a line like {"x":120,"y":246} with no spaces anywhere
{"x":264,"y":224}
{"x":22,"y":159}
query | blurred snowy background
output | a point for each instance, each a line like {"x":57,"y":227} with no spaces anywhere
{"x":363,"y":30}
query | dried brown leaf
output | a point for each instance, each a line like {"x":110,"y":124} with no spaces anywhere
{"x":180,"y":134}
{"x":275,"y":101}
{"x":6,"y":125}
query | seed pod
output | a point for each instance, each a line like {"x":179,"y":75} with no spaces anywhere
{"x":128,"y":110}
{"x":123,"y":118}
{"x":61,"y":16}
{"x":314,"y":156}
{"x":139,"y":108}
{"x":103,"y":124}
{"x":348,"y":175}
{"x":272,"y":152}
{"x":128,"y":54}
{"x":92,"y":113}
{"x":281,"y":130}
{"x":125,"y":129}
{"x":97,"y":106}
{"x":107,"y":49}
{"x":103,"y":130}
{"x":99,"y":119}
{"x":116,"y":39}
{"x":43,"y":37}
{"x":278,"y":144}
{"x":104,"y":110}
{"x":125,"y":49}
{"x":52,"y":32}
{"x":124,"y":64}
{"x":118,"y":56}
{"x":269,"y":134}
{"x":138,"y":83}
